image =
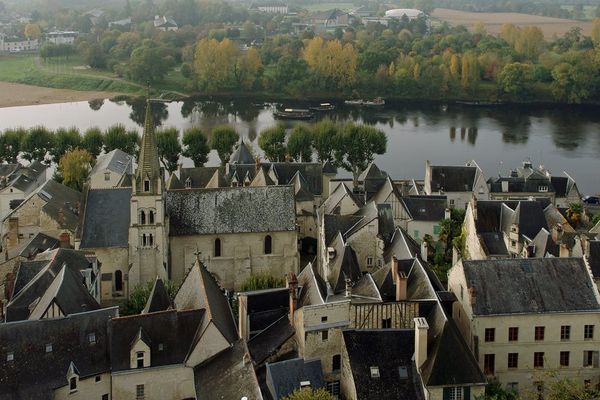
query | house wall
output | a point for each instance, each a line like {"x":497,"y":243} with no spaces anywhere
{"x":174,"y":382}
{"x":6,"y":196}
{"x":112,"y":259}
{"x":418,"y":229}
{"x":86,"y":389}
{"x":347,"y":387}
{"x":437,"y":393}
{"x":366,"y":244}
{"x":211,"y":343}
{"x":473,"y":249}
{"x":241,"y":255}
{"x":99,"y":181}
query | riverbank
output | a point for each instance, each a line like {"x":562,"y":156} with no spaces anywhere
{"x":15,"y":94}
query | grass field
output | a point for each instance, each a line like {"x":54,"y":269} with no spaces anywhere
{"x":493,"y":21}
{"x":26,"y":70}
{"x":329,"y":6}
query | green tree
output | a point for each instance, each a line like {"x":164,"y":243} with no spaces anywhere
{"x":272,"y":142}
{"x":10,"y":144}
{"x":299,"y":143}
{"x":74,"y":168}
{"x":356,"y":147}
{"x":94,"y":56}
{"x":195,"y":146}
{"x":139,"y":297}
{"x":324,"y":135}
{"x":570,"y":83}
{"x":515,"y":79}
{"x":310,"y":394}
{"x":575,"y":213}
{"x":117,"y":137}
{"x":37,"y":143}
{"x":223,"y":140}
{"x":261,"y":280}
{"x":93,"y":141}
{"x":65,"y":140}
{"x":149,"y":63}
{"x":169,"y":148}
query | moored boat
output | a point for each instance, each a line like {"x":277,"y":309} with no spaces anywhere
{"x":354,"y":102}
{"x":375,"y":102}
{"x":323,"y":107}
{"x":293,"y":113}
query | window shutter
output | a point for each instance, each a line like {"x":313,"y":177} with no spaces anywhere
{"x":446,"y":394}
{"x":467,"y":393}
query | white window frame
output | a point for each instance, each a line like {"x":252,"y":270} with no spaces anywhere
{"x":456,"y":393}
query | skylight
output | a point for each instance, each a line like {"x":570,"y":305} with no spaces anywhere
{"x":374,"y":372}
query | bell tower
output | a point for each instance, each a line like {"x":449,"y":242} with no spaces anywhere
{"x":148,"y":222}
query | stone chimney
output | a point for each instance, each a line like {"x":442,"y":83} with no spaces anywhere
{"x":557,"y":233}
{"x":421,"y":328}
{"x":472,"y":295}
{"x":394,"y":268}
{"x":13,"y":232}
{"x":292,"y":285}
{"x":424,"y":250}
{"x":401,"y":286}
{"x":65,"y":240}
{"x":243,"y":317}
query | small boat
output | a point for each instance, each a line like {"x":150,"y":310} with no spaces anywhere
{"x":354,"y":102}
{"x":323,"y":107}
{"x":479,"y":103}
{"x":375,"y":102}
{"x":261,"y":105}
{"x":293,"y":113}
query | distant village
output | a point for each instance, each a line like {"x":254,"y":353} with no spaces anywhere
{"x":359,"y":308}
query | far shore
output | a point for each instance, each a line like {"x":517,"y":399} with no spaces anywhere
{"x":14,"y":94}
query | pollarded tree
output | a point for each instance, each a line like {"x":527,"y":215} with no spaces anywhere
{"x":117,"y":137}
{"x":323,"y":134}
{"x":10,"y":144}
{"x":37,"y":143}
{"x":74,"y":168}
{"x":195,"y":146}
{"x":272,"y":142}
{"x":223,"y":140}
{"x":356,"y":146}
{"x":93,"y":141}
{"x":169,"y":148}
{"x":310,"y":394}
{"x":65,"y":140}
{"x":299,"y":143}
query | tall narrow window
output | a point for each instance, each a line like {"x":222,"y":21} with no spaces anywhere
{"x":489,"y":364}
{"x":538,"y":359}
{"x":144,"y":240}
{"x":150,"y":240}
{"x":268,"y":244}
{"x":151,"y":217}
{"x":140,"y":359}
{"x":146,"y":185}
{"x":336,"y":362}
{"x":73,"y":383}
{"x":143,"y":217}
{"x":217,"y":247}
{"x":513,"y":334}
{"x":118,"y":281}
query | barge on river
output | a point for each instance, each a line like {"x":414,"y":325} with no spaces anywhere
{"x":293,"y":113}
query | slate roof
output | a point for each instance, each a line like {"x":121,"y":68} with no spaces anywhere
{"x":264,"y":307}
{"x":18,"y":308}
{"x":38,"y":244}
{"x":231,"y":210}
{"x":148,"y":161}
{"x":366,"y":290}
{"x":425,"y":208}
{"x":284,"y":377}
{"x":159,"y":299}
{"x":452,"y":178}
{"x":62,"y":203}
{"x":343,"y":266}
{"x":116,"y":161}
{"x":388,"y":350}
{"x":175,"y":330}
{"x":6,"y":170}
{"x":311,"y":172}
{"x":200,"y":290}
{"x":380,"y":212}
{"x":329,"y":168}
{"x":341,"y":191}
{"x":494,"y":243}
{"x":33,"y":373}
{"x":236,"y":379}
{"x":242,"y":155}
{"x":334,"y":224}
{"x":533,"y":285}
{"x":498,"y":216}
{"x":594,"y":257}
{"x":267,"y":342}
{"x":313,"y":287}
{"x":106,"y":219}
{"x":25,"y":178}
{"x":401,"y":245}
{"x":198,"y":177}
{"x":26,"y":271}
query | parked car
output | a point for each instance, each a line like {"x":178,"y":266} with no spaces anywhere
{"x":591,"y":200}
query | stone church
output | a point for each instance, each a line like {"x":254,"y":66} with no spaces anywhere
{"x":140,"y":231}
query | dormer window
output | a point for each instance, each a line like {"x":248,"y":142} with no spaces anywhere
{"x":146,"y":185}
{"x":107,"y":176}
{"x":375,"y":372}
{"x":188,"y":183}
{"x":140,"y":359}
{"x":73,"y":384}
{"x":543,"y":189}
{"x":92,"y":338}
{"x":49,"y":348}
{"x":10,"y":356}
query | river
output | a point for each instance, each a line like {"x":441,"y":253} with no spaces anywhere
{"x":498,"y":138}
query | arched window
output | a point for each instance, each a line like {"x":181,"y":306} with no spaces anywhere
{"x":142,"y":217}
{"x":144,"y":240}
{"x":118,"y":281}
{"x":268,"y":244}
{"x":217,"y":247}
{"x":150,"y":240}
{"x":151,"y":217}
{"x":336,"y":362}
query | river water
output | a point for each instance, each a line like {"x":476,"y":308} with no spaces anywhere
{"x":498,"y":138}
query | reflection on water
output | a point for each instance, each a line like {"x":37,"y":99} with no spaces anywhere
{"x":562,"y":138}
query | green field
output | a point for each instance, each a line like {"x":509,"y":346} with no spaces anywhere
{"x":26,"y":69}
{"x":330,"y":6}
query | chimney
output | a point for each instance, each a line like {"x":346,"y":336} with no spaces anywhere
{"x":9,"y":286}
{"x":65,"y":240}
{"x":243,"y":320}
{"x":472,"y":295}
{"x":292,"y":285}
{"x":421,"y":328}
{"x":394,"y":268}
{"x":557,"y":233}
{"x":447,"y":213}
{"x":424,"y":250}
{"x":13,"y":232}
{"x":348,"y":287}
{"x":401,"y":286}
{"x":179,"y":168}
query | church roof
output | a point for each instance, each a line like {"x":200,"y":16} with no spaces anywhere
{"x":106,"y":218}
{"x":148,"y":162}
{"x":242,"y":155}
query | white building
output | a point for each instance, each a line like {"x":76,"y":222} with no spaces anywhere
{"x":271,"y":8}
{"x":16,"y":44}
{"x":62,"y":37}
{"x":399,"y":13}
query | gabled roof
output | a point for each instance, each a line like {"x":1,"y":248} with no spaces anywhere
{"x":532,"y":285}
{"x":27,"y":340}
{"x":200,"y":290}
{"x":116,"y":161}
{"x":159,"y":299}
{"x":366,"y":290}
{"x":494,"y":243}
{"x":218,"y":180}
{"x":425,"y":208}
{"x":284,"y":377}
{"x":231,"y":210}
{"x":344,"y":265}
{"x":329,"y":168}
{"x":314,"y":288}
{"x":25,"y":178}
{"x":26,"y":271}
{"x":242,"y":155}
{"x":594,"y":257}
{"x":174,"y":330}
{"x":332,"y":203}
{"x":106,"y":218}
{"x":452,"y":178}
{"x":334,"y":224}
{"x":268,"y":341}
{"x":68,"y":293}
{"x":38,"y":244}
{"x":312,"y":173}
{"x":301,"y":188}
{"x":389,"y":350}
{"x":262,"y":178}
{"x":401,"y":245}
{"x":198,"y":177}
{"x":370,"y":212}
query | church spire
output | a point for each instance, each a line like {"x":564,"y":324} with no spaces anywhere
{"x":148,"y":175}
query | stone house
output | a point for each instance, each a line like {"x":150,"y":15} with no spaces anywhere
{"x":113,"y":169}
{"x":525,"y":318}
{"x":18,"y":182}
{"x":458,"y":183}
{"x":165,"y":24}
